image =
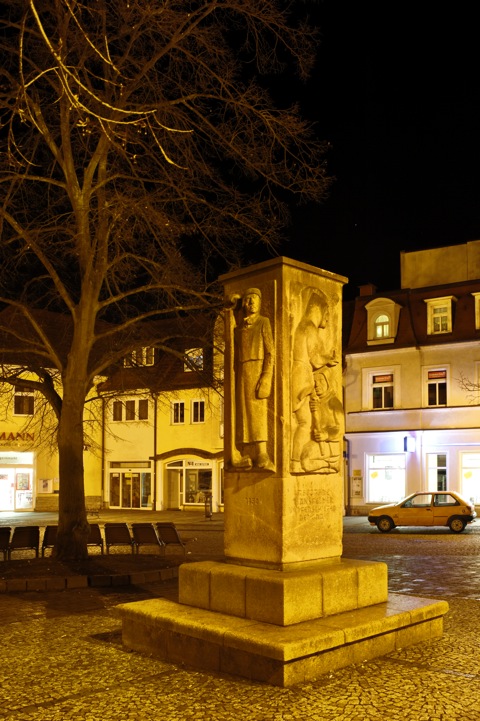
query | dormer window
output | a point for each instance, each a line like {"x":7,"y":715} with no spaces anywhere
{"x":193,"y":359}
{"x":477,"y":310}
{"x":439,"y":315}
{"x":382,"y":323}
{"x":140,"y":357}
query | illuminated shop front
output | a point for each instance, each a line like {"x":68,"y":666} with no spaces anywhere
{"x":16,"y":481}
{"x":130,"y":485}
{"x":186,"y":482}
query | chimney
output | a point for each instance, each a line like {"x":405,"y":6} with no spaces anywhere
{"x":367,"y":289}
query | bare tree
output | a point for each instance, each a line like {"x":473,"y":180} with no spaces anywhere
{"x":140,"y":149}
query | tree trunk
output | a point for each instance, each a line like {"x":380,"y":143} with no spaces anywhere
{"x":73,"y":526}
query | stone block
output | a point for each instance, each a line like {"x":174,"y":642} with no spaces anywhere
{"x":194,"y":583}
{"x":340,"y":588}
{"x":76,"y":581}
{"x":56,"y":584}
{"x":99,"y":581}
{"x":16,"y":584}
{"x":36,"y":584}
{"x":120,"y":579}
{"x":372,"y":583}
{"x":227,"y":589}
{"x":284,"y":598}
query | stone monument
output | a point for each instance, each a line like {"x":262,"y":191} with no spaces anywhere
{"x":284,"y":606}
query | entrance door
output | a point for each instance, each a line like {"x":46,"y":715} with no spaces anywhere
{"x":173,"y":488}
{"x":7,"y":489}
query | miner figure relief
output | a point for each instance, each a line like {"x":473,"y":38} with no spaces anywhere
{"x":253,"y":374}
{"x":315,"y":405}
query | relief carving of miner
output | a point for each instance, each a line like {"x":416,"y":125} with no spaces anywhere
{"x":315,"y":406}
{"x":253,"y":371}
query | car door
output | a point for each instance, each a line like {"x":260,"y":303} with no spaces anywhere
{"x":417,"y":511}
{"x":444,"y":506}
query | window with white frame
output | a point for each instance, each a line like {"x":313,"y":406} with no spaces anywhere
{"x":130,"y":410}
{"x":140,"y":357}
{"x":198,"y":412}
{"x":386,"y":477}
{"x":439,"y":314}
{"x":193,"y":360}
{"x":382,"y":391}
{"x":437,"y":471}
{"x":381,"y":388}
{"x":23,"y":401}
{"x":437,"y":387}
{"x":178,"y":412}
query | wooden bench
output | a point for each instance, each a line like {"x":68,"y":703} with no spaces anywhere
{"x":4,"y":540}
{"x":24,"y":538}
{"x":169,"y":536}
{"x":118,"y":534}
{"x":50,"y":537}
{"x":144,"y":534}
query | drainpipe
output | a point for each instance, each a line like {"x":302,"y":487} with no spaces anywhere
{"x":155,"y":422}
{"x":102,"y":480}
{"x":347,"y":483}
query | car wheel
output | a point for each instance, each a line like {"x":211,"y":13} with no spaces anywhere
{"x":456,"y":524}
{"x":385,"y":524}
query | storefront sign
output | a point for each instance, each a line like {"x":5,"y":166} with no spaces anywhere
{"x":17,"y":436}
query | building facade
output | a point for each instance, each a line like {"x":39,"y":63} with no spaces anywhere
{"x":153,"y":433}
{"x":412,"y":381}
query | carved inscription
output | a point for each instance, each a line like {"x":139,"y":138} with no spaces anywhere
{"x":313,"y":504}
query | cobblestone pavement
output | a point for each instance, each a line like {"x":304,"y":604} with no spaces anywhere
{"x":62,"y":657}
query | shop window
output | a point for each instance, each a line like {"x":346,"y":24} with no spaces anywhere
{"x":439,"y":312}
{"x":382,"y":391}
{"x":470,"y":471}
{"x":386,"y":477}
{"x":178,"y":412}
{"x":23,"y":401}
{"x":198,"y":482}
{"x":198,"y":412}
{"x":193,"y":360}
{"x":437,"y":387}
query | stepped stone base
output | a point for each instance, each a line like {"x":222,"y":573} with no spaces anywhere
{"x":283,"y":598}
{"x":278,"y":655}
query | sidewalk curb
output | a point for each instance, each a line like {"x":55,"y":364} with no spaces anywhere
{"x":20,"y":585}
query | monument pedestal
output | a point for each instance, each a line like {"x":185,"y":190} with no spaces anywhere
{"x":277,"y":654}
{"x":278,"y":627}
{"x":284,"y":607}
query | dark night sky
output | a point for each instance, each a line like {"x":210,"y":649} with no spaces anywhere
{"x":396,"y":93}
